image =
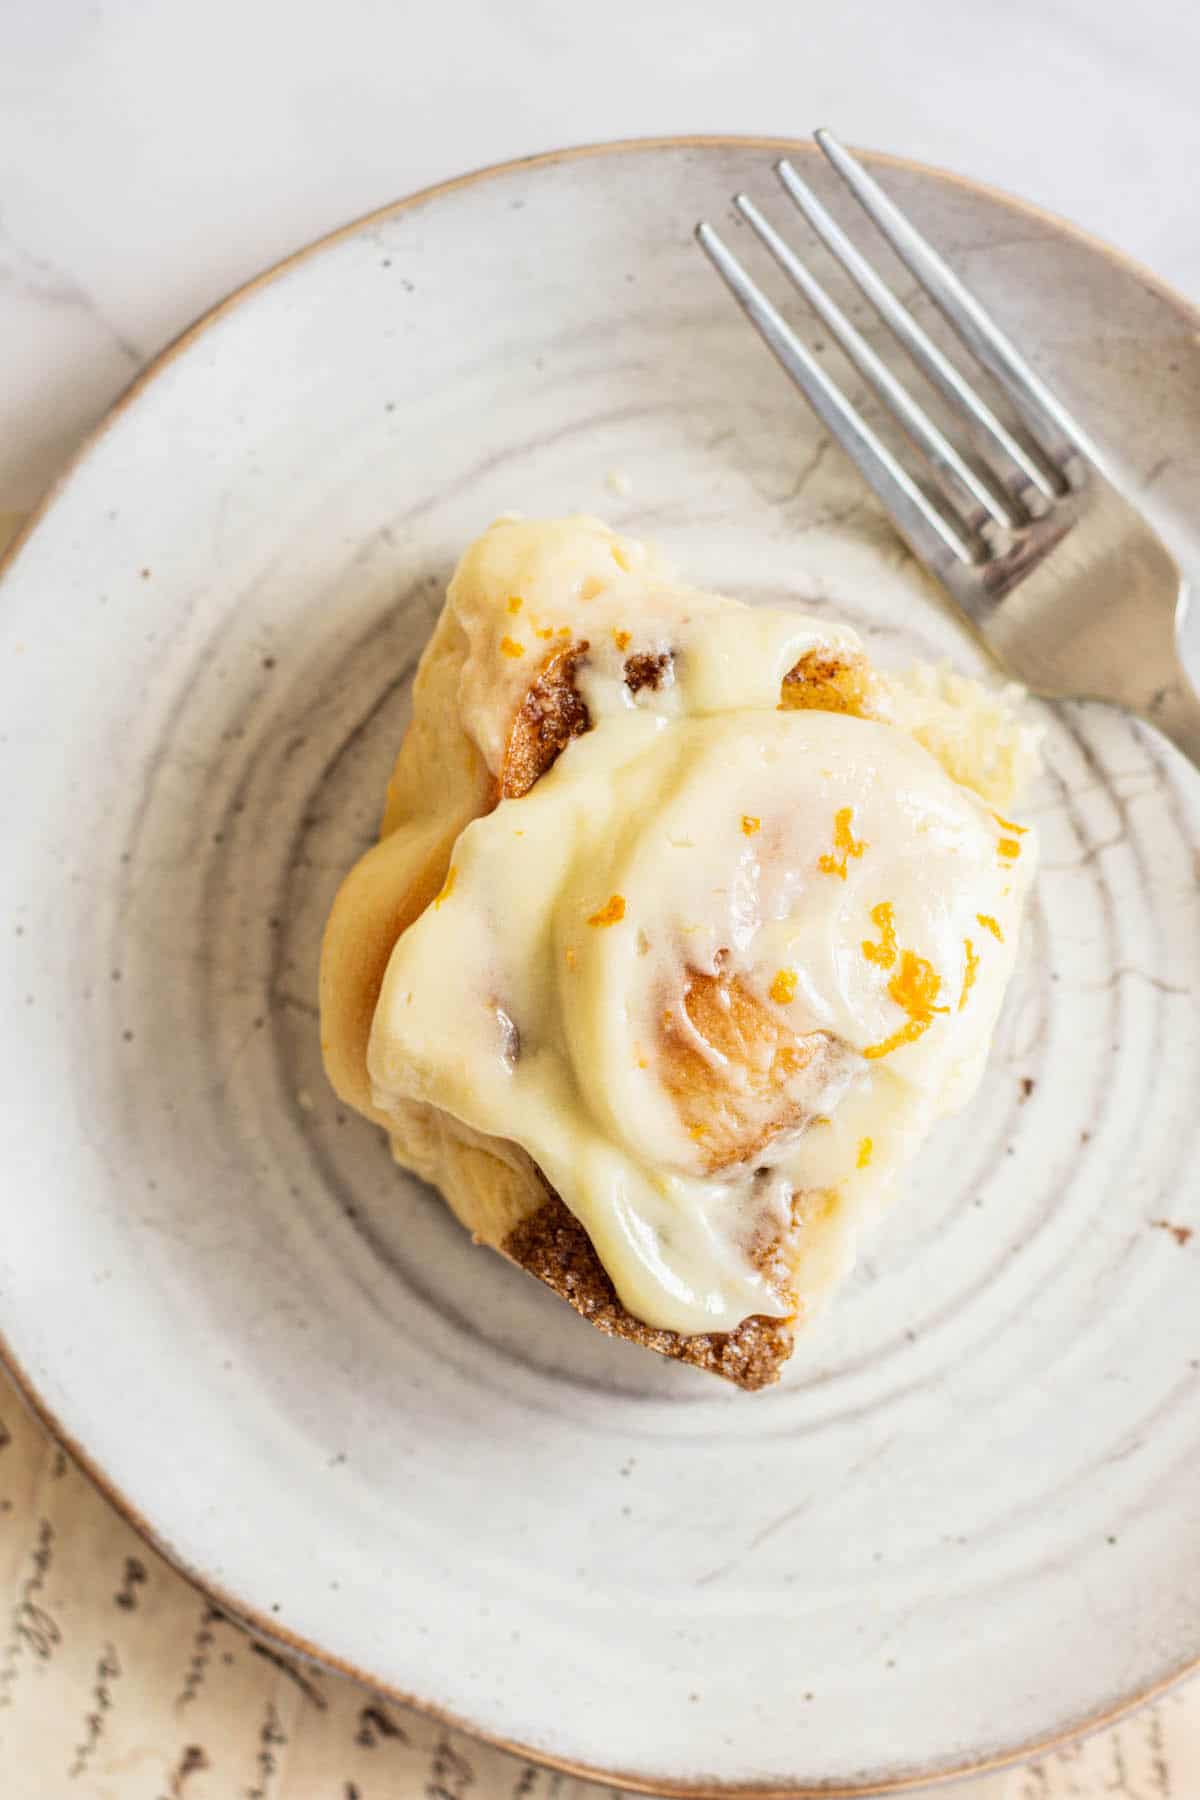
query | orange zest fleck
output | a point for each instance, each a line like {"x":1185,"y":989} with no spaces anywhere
{"x":1007,"y":825}
{"x":621,"y":639}
{"x":509,"y":648}
{"x":547,"y":631}
{"x":697,"y":1132}
{"x":447,"y":885}
{"x":564,"y":631}
{"x":866,"y":1150}
{"x":1009,"y":849}
{"x":884,"y":952}
{"x":845,"y":844}
{"x":970,"y":970}
{"x":515,"y":603}
{"x":914,"y":987}
{"x":611,"y":913}
{"x":783,"y":988}
{"x":992,"y":925}
{"x":750,"y":824}
{"x":570,"y":955}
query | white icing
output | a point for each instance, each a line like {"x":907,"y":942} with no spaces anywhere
{"x":705,"y":813}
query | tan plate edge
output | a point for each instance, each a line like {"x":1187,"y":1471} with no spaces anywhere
{"x":268,"y":1629}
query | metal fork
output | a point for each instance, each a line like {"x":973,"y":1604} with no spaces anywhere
{"x":1068,"y":585}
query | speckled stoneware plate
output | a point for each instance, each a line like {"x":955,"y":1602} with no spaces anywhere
{"x":969,"y":1519}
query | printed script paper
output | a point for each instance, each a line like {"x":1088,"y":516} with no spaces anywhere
{"x":119,"y":1682}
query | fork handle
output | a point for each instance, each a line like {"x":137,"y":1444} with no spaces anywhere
{"x":1175,"y":711}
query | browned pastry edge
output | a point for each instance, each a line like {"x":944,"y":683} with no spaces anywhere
{"x":646,"y":670}
{"x":551,"y":714}
{"x":826,"y":681}
{"x":551,"y":1244}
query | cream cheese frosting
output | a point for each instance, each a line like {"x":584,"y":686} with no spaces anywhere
{"x":849,"y":909}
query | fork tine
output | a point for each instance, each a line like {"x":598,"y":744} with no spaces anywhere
{"x":974,"y":325}
{"x":921,"y":428}
{"x":928,"y":530}
{"x":920,"y":346}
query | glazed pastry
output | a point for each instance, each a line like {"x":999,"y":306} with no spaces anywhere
{"x":684,"y":926}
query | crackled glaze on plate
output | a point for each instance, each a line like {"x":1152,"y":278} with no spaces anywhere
{"x":968,"y":1519}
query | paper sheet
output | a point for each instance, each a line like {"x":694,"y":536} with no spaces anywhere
{"x":119,"y":1682}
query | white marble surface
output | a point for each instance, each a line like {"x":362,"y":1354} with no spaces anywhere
{"x":154,"y":153}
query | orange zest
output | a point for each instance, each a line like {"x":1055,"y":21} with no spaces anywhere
{"x":545,"y":632}
{"x":866,"y":1150}
{"x":447,"y":885}
{"x":992,"y":925}
{"x":515,"y":603}
{"x":621,"y":639}
{"x":914,"y":987}
{"x":1009,"y":849}
{"x":750,"y":824}
{"x":970,"y":970}
{"x":845,"y":844}
{"x":884,"y":952}
{"x":783,"y":988}
{"x":611,"y":913}
{"x":510,"y":648}
{"x":1007,"y":825}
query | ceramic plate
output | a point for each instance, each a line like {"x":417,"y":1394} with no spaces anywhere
{"x":969,"y":1519}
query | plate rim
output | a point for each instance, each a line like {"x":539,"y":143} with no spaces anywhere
{"x":271,"y":1630}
